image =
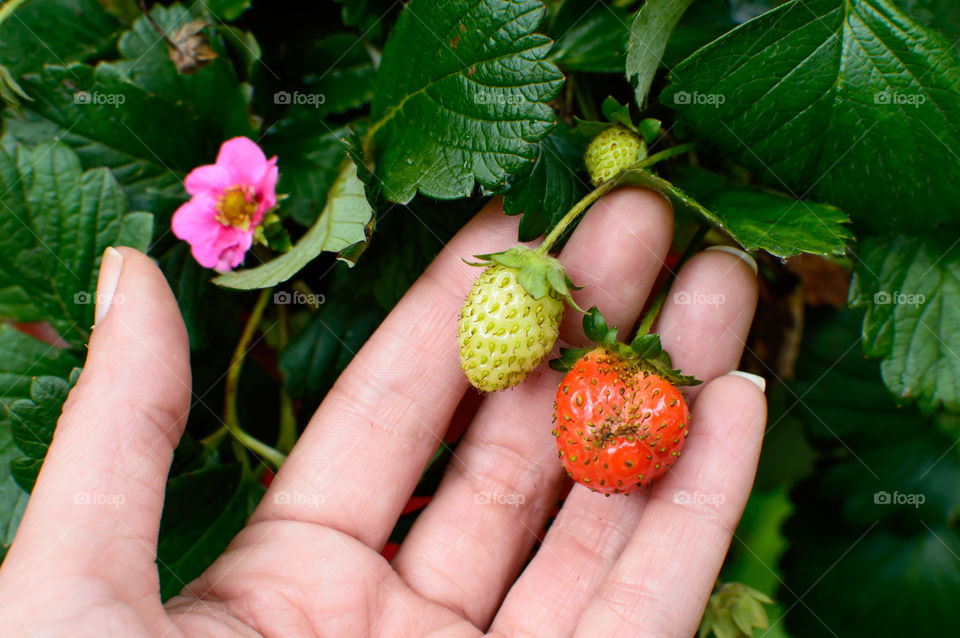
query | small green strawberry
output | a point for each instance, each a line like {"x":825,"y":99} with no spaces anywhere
{"x":511,"y":318}
{"x":611,"y":151}
{"x":734,"y":611}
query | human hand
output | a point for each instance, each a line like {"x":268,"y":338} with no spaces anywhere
{"x":641,"y":565}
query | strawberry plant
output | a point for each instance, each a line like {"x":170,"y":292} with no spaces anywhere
{"x":293,"y":168}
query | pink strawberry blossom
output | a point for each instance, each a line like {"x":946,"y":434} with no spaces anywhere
{"x":228,"y":202}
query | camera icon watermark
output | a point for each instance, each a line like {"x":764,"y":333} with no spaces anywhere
{"x":99,"y":99}
{"x":683,"y":497}
{"x":894,"y":98}
{"x":298,"y":498}
{"x":886,"y":498}
{"x":687,"y":298}
{"x":686,"y":98}
{"x":99,"y":498}
{"x":489,"y":97}
{"x":499,"y":498}
{"x":309,"y":99}
{"x":297,"y":298}
{"x":886,"y":298}
{"x":84,"y":298}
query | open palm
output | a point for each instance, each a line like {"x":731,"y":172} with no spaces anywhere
{"x":308,"y":562}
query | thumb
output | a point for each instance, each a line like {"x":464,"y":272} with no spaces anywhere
{"x":100,"y":491}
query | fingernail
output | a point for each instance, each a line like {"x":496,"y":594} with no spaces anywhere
{"x":110,"y":267}
{"x":736,"y":252}
{"x":756,"y":380}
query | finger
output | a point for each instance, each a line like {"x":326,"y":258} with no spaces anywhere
{"x":383,"y":420}
{"x":708,"y":312}
{"x":591,"y":531}
{"x":100,"y":492}
{"x":660,"y":584}
{"x":504,"y":479}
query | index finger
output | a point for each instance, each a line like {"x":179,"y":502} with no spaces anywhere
{"x":387,"y":413}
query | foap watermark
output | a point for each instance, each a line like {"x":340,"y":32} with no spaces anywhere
{"x":686,"y":98}
{"x":899,"y":99}
{"x":687,"y":298}
{"x":885,"y":298}
{"x":499,"y":498}
{"x":308,"y":99}
{"x":683,"y":497}
{"x":487,"y":97}
{"x":897,"y":498}
{"x":99,"y":498}
{"x":296,"y":497}
{"x":98,"y":98}
{"x":297,"y":298}
{"x":84,"y":298}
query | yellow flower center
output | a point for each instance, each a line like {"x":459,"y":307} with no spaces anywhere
{"x":236,"y":207}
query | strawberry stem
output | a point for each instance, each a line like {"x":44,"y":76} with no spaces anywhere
{"x":598,"y":192}
{"x":673,"y":151}
{"x":573,"y":213}
{"x":692,"y":247}
{"x":231,"y":420}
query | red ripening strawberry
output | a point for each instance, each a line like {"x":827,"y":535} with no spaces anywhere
{"x":620,"y":423}
{"x":619,"y":427}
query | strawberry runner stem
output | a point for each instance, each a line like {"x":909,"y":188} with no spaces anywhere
{"x":7,"y":9}
{"x":657,"y":305}
{"x":231,"y":420}
{"x":590,"y":198}
{"x":287,"y":436}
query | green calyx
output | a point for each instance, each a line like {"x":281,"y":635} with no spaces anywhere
{"x":645,"y":350}
{"x":539,"y":275}
{"x":734,"y":611}
{"x":614,"y":113}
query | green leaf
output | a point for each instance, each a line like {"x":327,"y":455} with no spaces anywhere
{"x":100,"y":106}
{"x":545,"y":192}
{"x":910,"y":287}
{"x":314,"y":358}
{"x":461,"y":96}
{"x":228,"y":10}
{"x":342,"y":224}
{"x":13,"y":500}
{"x":311,"y":152}
{"x":370,"y":17}
{"x":849,"y":101}
{"x":649,"y":33}
{"x":404,"y":242}
{"x":343,"y":74}
{"x":59,"y":222}
{"x":759,"y":220}
{"x":147,"y":184}
{"x":23,"y":357}
{"x":860,"y":526}
{"x":202,"y":512}
{"x":591,"y":37}
{"x":781,"y":225}
{"x":43,"y":32}
{"x":942,"y":16}
{"x":32,"y":422}
{"x":213,"y":93}
{"x":10,"y":91}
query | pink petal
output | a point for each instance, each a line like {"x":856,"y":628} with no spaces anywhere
{"x":243,"y":160}
{"x":212,"y":179}
{"x":234,"y":249}
{"x":196,"y":220}
{"x":266,"y":193}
